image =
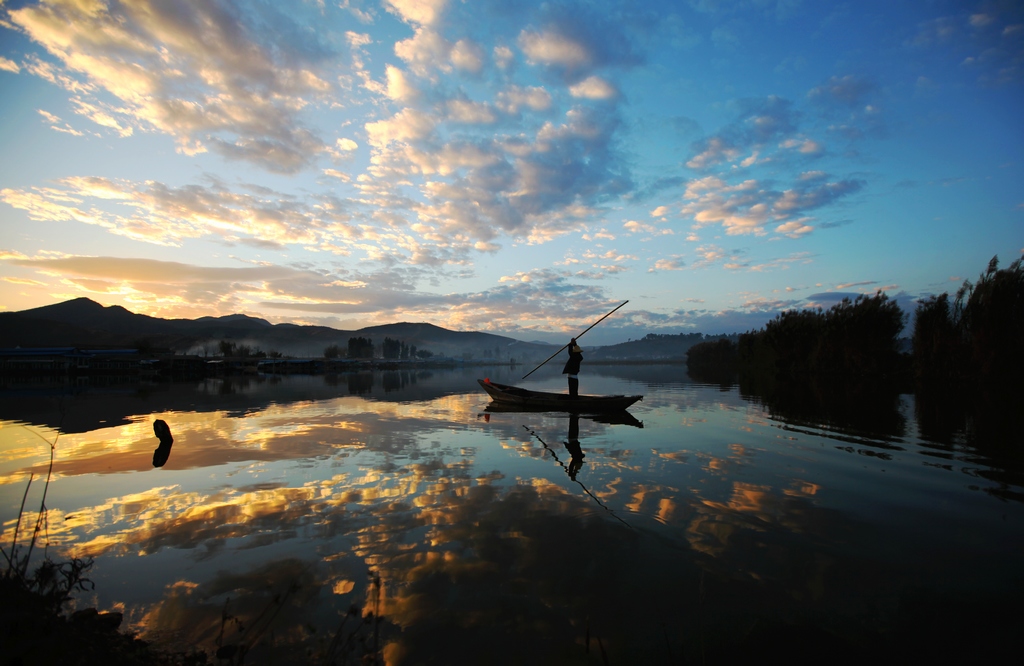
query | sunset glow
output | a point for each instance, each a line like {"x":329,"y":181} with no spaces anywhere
{"x":514,"y":168}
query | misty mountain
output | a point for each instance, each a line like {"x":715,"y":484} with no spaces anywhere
{"x":85,"y":323}
{"x":668,"y":347}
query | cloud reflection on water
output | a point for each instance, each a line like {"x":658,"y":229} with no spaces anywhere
{"x":480,"y":539}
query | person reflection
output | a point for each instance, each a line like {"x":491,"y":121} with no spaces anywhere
{"x":573,"y":445}
{"x":162,"y":452}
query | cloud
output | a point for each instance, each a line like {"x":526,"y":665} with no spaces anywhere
{"x":760,"y":122}
{"x":781,"y":263}
{"x":594,"y":87}
{"x":424,"y":12}
{"x":635,"y":227}
{"x":399,"y":86}
{"x":467,"y":56}
{"x":503,"y":56}
{"x":179,"y":289}
{"x":334,"y":173}
{"x":849,"y":91}
{"x":198,"y":72}
{"x":708,"y":255}
{"x":364,"y":16}
{"x":794,"y":228}
{"x":576,"y":40}
{"x":155,"y":213}
{"x":8,"y":65}
{"x":552,"y":48}
{"x":57,"y":124}
{"x":513,"y":98}
{"x":535,"y":188}
{"x":747,"y":207}
{"x":802,"y":145}
{"x":465,"y":111}
{"x":346,"y":145}
{"x":406,"y":125}
{"x":425,"y":51}
{"x":674,"y":263}
{"x":988,"y":43}
{"x":153,"y":271}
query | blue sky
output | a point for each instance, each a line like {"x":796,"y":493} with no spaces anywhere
{"x":514,"y":167}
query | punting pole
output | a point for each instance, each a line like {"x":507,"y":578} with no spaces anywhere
{"x":577,"y":338}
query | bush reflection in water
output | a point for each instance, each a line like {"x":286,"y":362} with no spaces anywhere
{"x":857,"y":524}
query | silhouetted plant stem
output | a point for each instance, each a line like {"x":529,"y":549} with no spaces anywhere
{"x":41,"y":517}
{"x":11,"y":561}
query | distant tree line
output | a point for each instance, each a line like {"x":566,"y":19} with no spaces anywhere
{"x":673,"y":337}
{"x":396,"y":349}
{"x":979,"y":334}
{"x":235,"y":350}
{"x":360,"y":347}
{"x":713,"y":357}
{"x":859,"y":337}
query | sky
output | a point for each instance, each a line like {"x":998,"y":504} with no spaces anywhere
{"x":518,"y":168}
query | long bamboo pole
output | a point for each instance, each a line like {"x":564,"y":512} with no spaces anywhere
{"x":577,"y":338}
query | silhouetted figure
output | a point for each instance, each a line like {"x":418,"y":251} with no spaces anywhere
{"x":162,"y":452}
{"x":573,"y":445}
{"x":572,"y":368}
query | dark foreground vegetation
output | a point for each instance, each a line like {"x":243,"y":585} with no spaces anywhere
{"x":975,"y":337}
{"x":36,"y":628}
{"x":979,"y":334}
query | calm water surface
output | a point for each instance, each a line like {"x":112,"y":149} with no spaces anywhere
{"x":720,"y":528}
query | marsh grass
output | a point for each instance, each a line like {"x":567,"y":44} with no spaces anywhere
{"x":53,"y":582}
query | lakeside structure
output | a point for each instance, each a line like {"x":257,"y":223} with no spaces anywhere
{"x":72,"y":362}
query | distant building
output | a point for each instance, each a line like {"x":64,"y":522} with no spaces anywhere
{"x":68,"y":361}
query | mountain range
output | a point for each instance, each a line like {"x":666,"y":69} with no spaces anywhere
{"x":86,"y":324}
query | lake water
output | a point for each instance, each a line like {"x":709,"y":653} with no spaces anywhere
{"x":727,"y":526}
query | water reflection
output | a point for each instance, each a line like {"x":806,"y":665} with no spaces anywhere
{"x":868,"y":407}
{"x":573,"y":445}
{"x":727,"y":526}
{"x":162,"y":452}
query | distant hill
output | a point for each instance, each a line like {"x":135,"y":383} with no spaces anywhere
{"x":654,"y":346}
{"x":85,"y":323}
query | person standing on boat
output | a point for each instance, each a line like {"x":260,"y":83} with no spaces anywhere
{"x":572,"y":368}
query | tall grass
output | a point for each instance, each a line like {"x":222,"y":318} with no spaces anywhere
{"x":977,"y":335}
{"x":52,"y":582}
{"x":859,"y":337}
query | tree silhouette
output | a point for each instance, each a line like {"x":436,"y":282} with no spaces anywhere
{"x":981,"y":335}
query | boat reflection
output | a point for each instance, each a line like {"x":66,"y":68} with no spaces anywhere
{"x":621,"y":417}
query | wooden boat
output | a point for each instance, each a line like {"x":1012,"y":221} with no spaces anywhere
{"x":620,"y":417}
{"x":527,"y":399}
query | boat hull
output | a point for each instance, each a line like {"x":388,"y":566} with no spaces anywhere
{"x":506,"y":395}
